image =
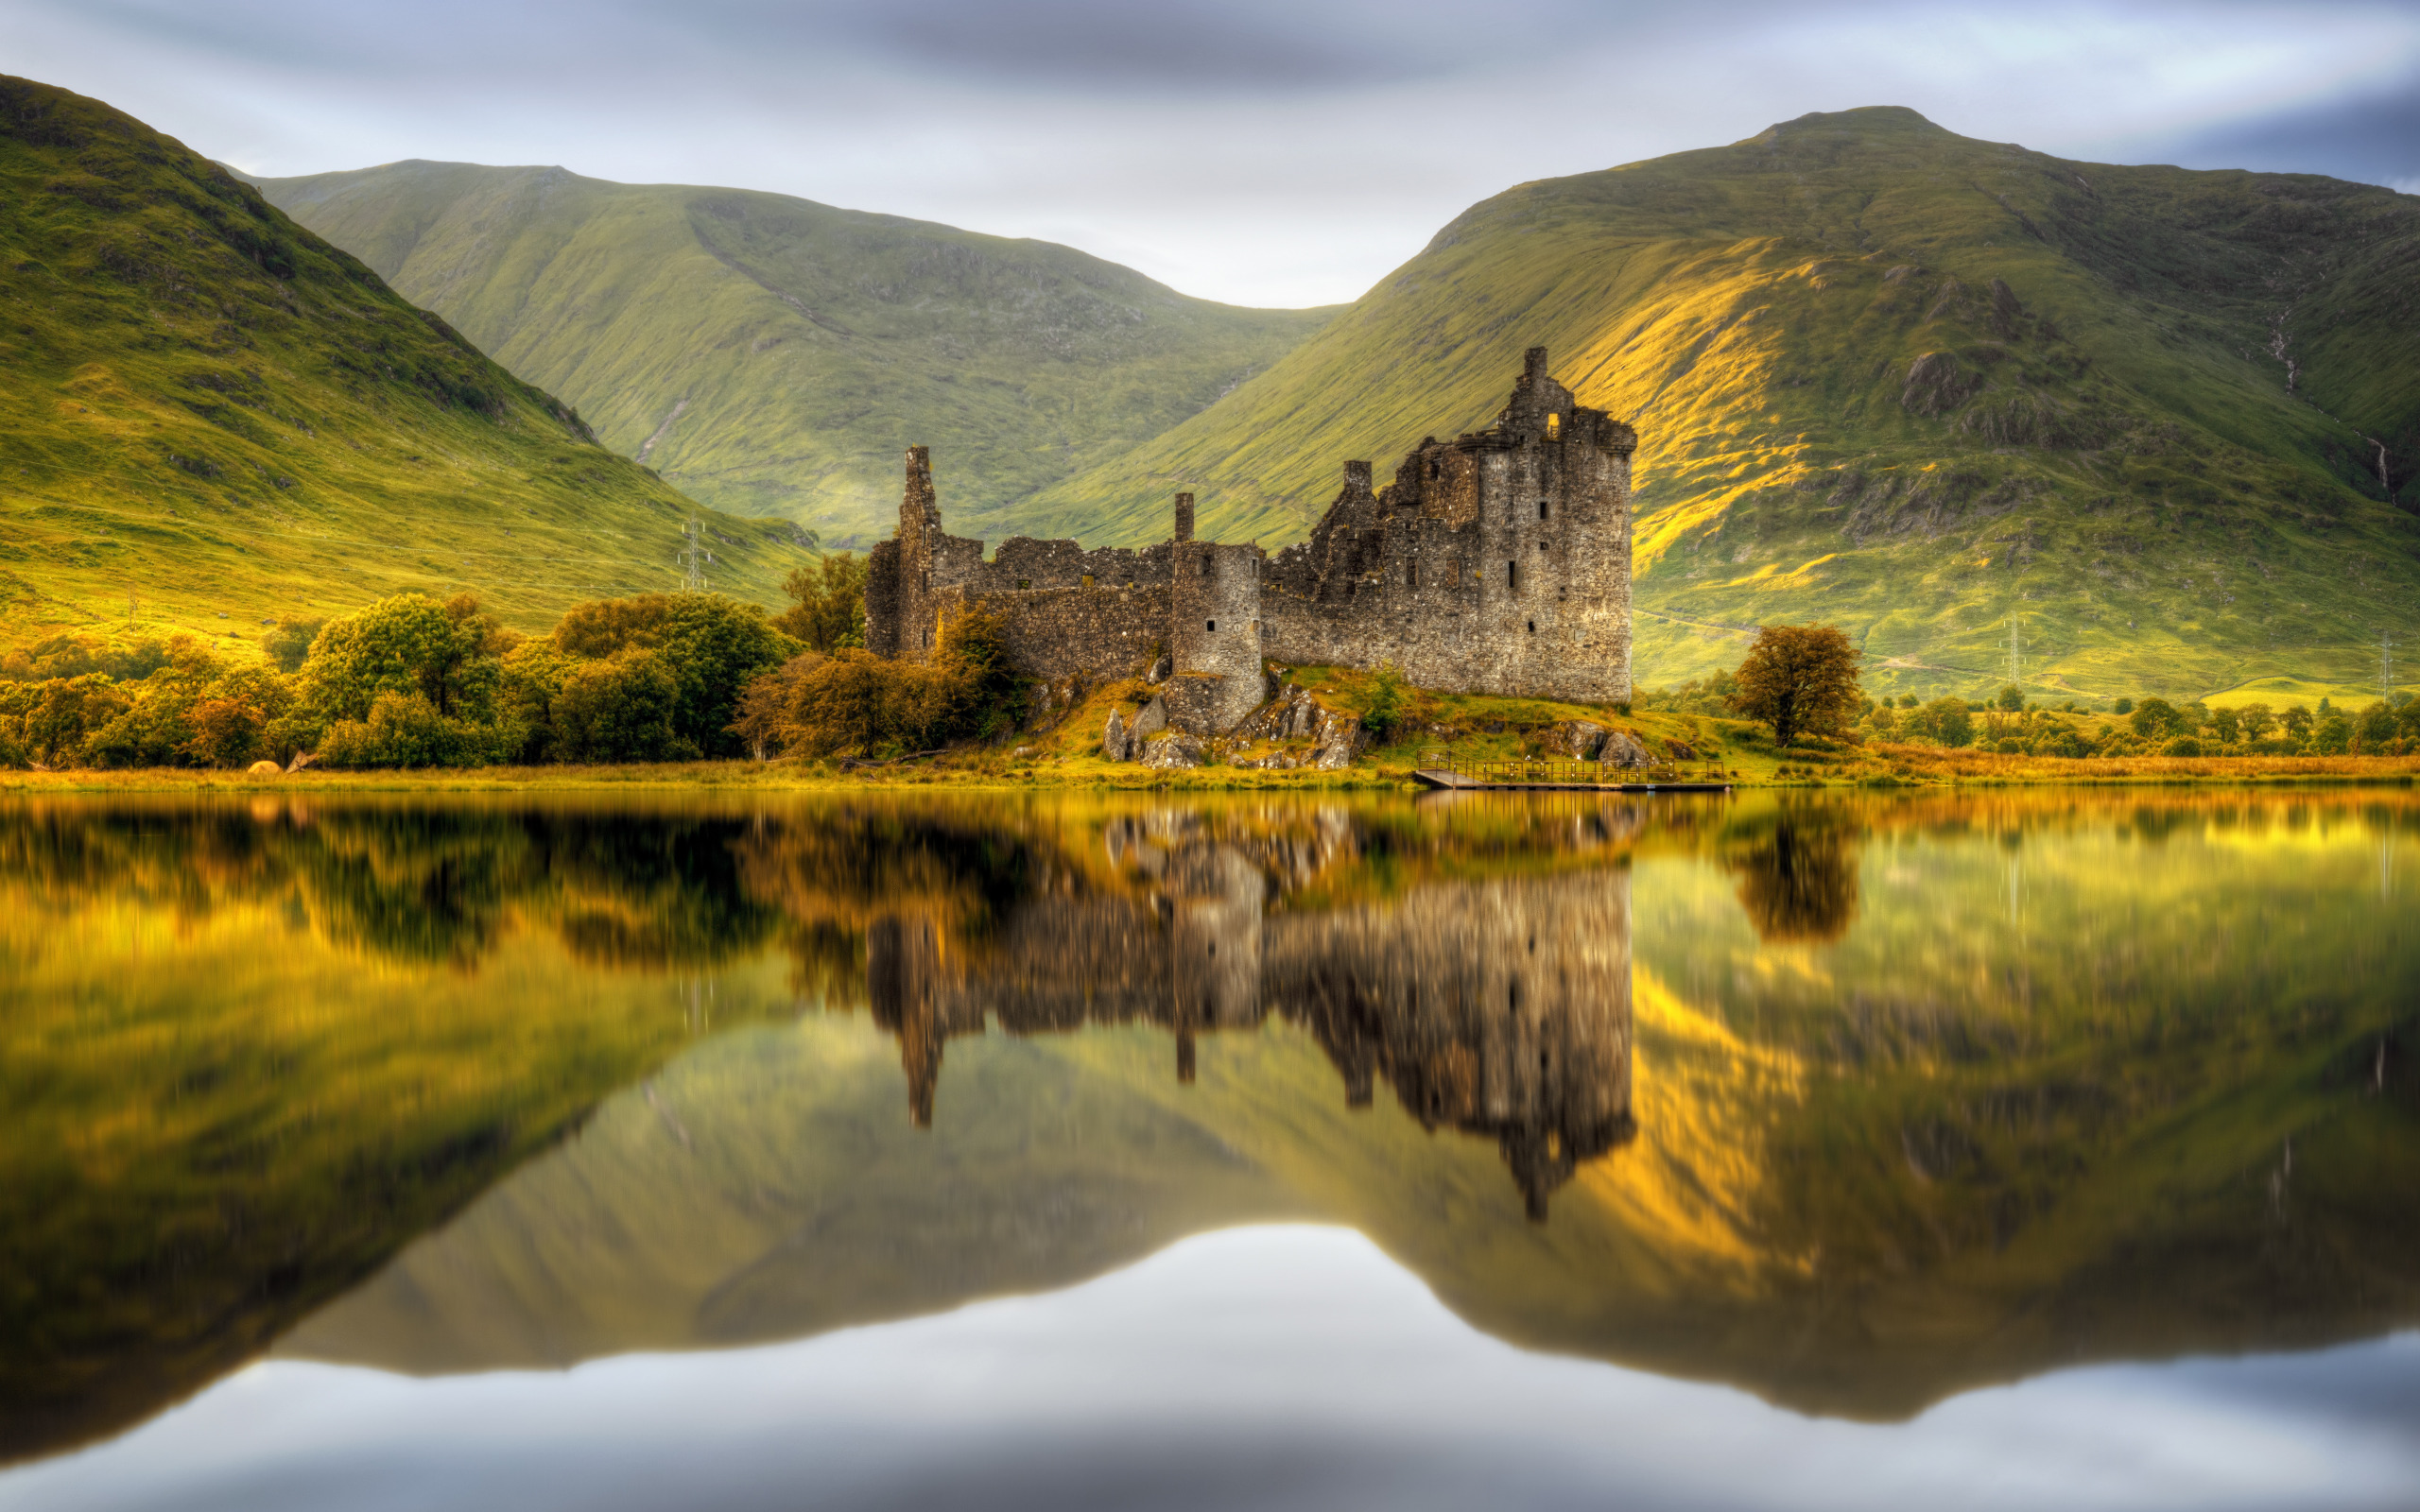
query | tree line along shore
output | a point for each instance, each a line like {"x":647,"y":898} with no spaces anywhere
{"x":412,"y":683}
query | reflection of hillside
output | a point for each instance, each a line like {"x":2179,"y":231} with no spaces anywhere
{"x":2022,"y":1099}
{"x":247,"y":1053}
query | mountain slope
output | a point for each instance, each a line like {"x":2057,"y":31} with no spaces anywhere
{"x":1919,"y":384}
{"x":774,"y":356}
{"x":210,"y":410}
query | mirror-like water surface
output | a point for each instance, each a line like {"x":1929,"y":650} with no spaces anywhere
{"x":1990,"y":1149}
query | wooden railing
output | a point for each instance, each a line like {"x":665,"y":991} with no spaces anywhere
{"x":1561,"y":770}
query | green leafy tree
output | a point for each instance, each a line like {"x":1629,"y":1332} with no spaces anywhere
{"x":2375,"y":727}
{"x":2227,"y":725}
{"x":446,"y":654}
{"x":402,"y":730}
{"x":2123,"y":706}
{"x":1946,"y":721}
{"x":2331,"y":734}
{"x":2153,"y":719}
{"x":2255,"y":720}
{"x":2296,"y":722}
{"x":1800,"y":680}
{"x":712,"y":646}
{"x":52,"y":720}
{"x":2010,"y":699}
{"x":226,"y":731}
{"x":288,"y":645}
{"x":620,"y":709}
{"x":827,"y":604}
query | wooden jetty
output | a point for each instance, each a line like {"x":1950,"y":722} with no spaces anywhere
{"x":1440,"y":769}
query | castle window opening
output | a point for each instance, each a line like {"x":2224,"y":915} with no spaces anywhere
{"x":1533,"y":627}
{"x":1212,"y":626}
{"x":1542,"y":509}
{"x":1435,"y":468}
{"x":1411,"y":574}
{"x":1554,"y":427}
{"x":1025,"y":582}
{"x":1511,"y":575}
{"x":1088,"y":579}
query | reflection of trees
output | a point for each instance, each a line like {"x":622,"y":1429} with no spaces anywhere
{"x":413,"y":882}
{"x":1800,"y":880}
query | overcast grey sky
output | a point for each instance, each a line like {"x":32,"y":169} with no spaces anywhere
{"x":1259,"y":151}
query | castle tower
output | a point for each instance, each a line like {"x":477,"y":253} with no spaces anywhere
{"x":1214,"y":631}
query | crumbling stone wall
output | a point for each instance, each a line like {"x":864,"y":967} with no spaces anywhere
{"x":1498,"y":563}
{"x":1058,"y":633}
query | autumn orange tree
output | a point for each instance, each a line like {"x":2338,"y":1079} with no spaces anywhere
{"x":1801,"y":680}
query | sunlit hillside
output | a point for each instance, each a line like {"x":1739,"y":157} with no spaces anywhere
{"x":774,"y":356}
{"x":2163,"y":423}
{"x":210,"y":418}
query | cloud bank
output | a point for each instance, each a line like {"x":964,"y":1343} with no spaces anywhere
{"x":1255,"y":151}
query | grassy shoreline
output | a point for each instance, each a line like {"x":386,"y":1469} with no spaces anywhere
{"x":1928,"y":768}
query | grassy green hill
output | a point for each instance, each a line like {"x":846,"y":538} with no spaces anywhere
{"x":773,"y":356}
{"x":1916,"y":383}
{"x":209,"y":412}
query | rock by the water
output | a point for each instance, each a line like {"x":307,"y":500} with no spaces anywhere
{"x":266,"y":770}
{"x":1175,"y":753}
{"x":1116,"y":745}
{"x":1153,"y":719}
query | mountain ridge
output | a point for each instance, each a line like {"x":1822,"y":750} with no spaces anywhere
{"x":214,"y":417}
{"x":775,"y":355}
{"x":1871,"y":360}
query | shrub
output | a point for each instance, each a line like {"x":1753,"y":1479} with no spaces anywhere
{"x":2332,"y":735}
{"x":827,"y":608}
{"x":226,"y":731}
{"x":711,"y":646}
{"x":2010,"y":699}
{"x":621,"y":709}
{"x":2123,"y":706}
{"x":1944,"y":721}
{"x":403,"y":730}
{"x":1384,"y":710}
{"x":855,"y":702}
{"x":2182,"y":745}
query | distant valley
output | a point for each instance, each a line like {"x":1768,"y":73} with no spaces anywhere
{"x":773,"y":356}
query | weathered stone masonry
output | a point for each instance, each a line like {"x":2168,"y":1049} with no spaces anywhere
{"x":1498,"y":563}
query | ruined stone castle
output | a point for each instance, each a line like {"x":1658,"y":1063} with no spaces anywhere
{"x":1497,"y":562}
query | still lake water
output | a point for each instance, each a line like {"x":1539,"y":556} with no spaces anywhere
{"x":1977,"y":1150}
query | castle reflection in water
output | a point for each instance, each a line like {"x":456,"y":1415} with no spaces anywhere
{"x":1497,"y":1008}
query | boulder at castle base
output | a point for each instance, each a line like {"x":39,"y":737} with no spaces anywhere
{"x":1151,"y":719}
{"x":1623,"y":750}
{"x":1340,"y":739}
{"x":1116,"y":742}
{"x":1576,"y":738}
{"x":1175,"y":753}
